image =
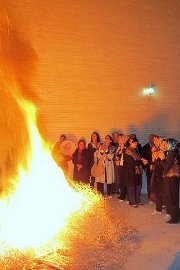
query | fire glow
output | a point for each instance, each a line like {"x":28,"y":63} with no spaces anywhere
{"x":46,"y":221}
{"x":42,"y":201}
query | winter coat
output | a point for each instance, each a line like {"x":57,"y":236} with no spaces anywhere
{"x":83,"y":175}
{"x":169,"y":161}
{"x":118,"y":169}
{"x":157,"y":176}
{"x":130,"y":178}
{"x":147,"y":154}
{"x":106,"y":157}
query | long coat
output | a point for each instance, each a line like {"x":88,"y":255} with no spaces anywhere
{"x":107,"y":160}
{"x":147,"y":154}
{"x":171,"y":185}
{"x":157,"y":177}
{"x":119,"y":169}
{"x":83,"y":175}
{"x":130,"y":178}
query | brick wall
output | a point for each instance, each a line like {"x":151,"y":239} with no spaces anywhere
{"x":94,"y":59}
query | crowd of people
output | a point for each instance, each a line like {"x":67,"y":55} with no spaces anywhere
{"x":117,"y":165}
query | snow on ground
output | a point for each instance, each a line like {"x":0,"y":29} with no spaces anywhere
{"x":157,"y":242}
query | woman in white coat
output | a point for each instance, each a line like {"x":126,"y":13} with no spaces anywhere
{"x":105,"y":155}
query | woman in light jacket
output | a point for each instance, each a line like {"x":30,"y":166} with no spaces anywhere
{"x":105,"y":155}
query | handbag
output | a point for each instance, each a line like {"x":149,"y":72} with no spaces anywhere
{"x":97,"y":169}
{"x":174,"y":171}
{"x":138,"y":169}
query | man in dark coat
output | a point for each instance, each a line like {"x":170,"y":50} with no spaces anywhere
{"x":147,"y":154}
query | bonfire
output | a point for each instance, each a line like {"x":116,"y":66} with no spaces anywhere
{"x":46,"y":220}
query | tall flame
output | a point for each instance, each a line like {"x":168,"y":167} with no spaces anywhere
{"x":43,"y":199}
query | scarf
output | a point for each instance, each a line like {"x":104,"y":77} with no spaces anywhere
{"x":133,"y":153}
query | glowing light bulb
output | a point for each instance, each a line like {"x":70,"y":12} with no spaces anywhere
{"x":150,"y":91}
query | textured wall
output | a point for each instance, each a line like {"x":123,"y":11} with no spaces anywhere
{"x":94,"y":59}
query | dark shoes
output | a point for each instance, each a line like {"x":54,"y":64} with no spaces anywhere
{"x":134,"y":205}
{"x":171,"y":221}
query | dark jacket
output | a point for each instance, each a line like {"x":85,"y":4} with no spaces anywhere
{"x":83,"y":175}
{"x":91,"y":150}
{"x":147,"y":154}
{"x":130,"y":178}
{"x":169,"y":161}
{"x":157,"y":176}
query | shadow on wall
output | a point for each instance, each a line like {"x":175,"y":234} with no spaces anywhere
{"x":157,"y":125}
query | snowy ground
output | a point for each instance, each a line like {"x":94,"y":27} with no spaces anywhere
{"x":157,"y":242}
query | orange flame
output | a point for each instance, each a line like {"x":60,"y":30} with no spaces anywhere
{"x":43,"y":200}
{"x":38,"y":208}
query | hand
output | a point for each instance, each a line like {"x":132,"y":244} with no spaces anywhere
{"x":79,"y":167}
{"x":161,"y":155}
{"x":117,"y":162}
{"x":154,"y":155}
{"x":102,"y":147}
{"x":98,"y":145}
{"x":153,"y":148}
{"x":145,"y":161}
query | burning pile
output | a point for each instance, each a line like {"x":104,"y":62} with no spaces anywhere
{"x":47,"y":224}
{"x":44,"y":222}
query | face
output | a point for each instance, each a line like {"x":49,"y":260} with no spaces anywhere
{"x":156,"y":141}
{"x":94,"y":137}
{"x":108,"y":140}
{"x":81,"y":146}
{"x":115,"y":136}
{"x":164,"y":145}
{"x":62,"y":138}
{"x":120,"y":140}
{"x":133,"y":144}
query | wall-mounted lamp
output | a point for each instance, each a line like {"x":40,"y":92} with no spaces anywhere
{"x":149,"y":91}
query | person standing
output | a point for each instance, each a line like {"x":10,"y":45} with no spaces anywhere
{"x":105,"y":155}
{"x":157,"y":179}
{"x":119,"y":168}
{"x":153,"y":141}
{"x":115,"y":136}
{"x":57,"y":154}
{"x":81,"y":161}
{"x":172,"y":179}
{"x":93,"y":146}
{"x":133,"y":172}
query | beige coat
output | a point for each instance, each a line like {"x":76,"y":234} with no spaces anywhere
{"x":107,"y":161}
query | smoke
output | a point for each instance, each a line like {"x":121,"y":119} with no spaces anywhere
{"x":17,"y":67}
